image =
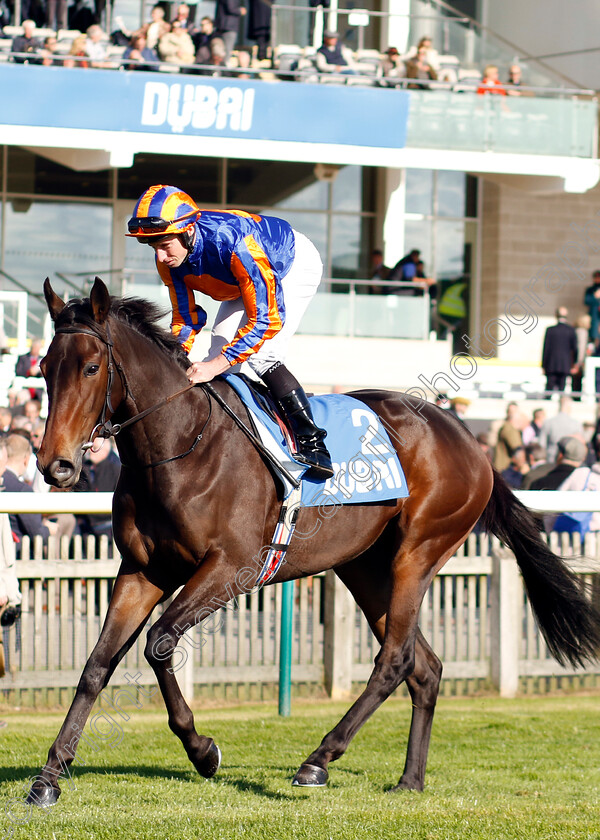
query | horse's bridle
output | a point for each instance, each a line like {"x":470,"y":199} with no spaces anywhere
{"x":106,"y":428}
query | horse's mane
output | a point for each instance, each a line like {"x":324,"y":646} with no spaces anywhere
{"x":141,"y":315}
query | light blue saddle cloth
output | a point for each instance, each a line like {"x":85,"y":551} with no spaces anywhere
{"x":366,"y":465}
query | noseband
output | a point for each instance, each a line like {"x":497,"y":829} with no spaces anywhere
{"x":105,"y":428}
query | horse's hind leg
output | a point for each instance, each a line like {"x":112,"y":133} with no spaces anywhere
{"x":370,"y":584}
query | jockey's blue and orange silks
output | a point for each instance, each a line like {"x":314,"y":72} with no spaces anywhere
{"x":235,"y":255}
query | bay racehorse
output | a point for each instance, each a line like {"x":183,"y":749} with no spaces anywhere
{"x":195,"y":500}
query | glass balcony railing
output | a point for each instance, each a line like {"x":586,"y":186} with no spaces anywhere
{"x":443,"y":119}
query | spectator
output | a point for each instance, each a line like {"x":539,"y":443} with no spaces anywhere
{"x":28,"y":365}
{"x":431,"y":55}
{"x":392,"y":66}
{"x":517,"y":468}
{"x":379,"y":271}
{"x":202,"y":40}
{"x":584,"y":349}
{"x":483,"y":439}
{"x":459,"y":407}
{"x":101,"y":474}
{"x":56,"y":14}
{"x":183,"y":16}
{"x":24,"y":47}
{"x":215,"y":65}
{"x":514,"y":80}
{"x":570,"y":453}
{"x":405,"y":270}
{"x":227,"y":23}
{"x":81,"y":16}
{"x":559,"y":426}
{"x":50,"y":57}
{"x":420,"y":69}
{"x":591,"y":299}
{"x":531,"y":433}
{"x":5,"y":418}
{"x":334,"y":57}
{"x":259,"y":26}
{"x":22,"y":524}
{"x":96,"y":47}
{"x":538,"y":465}
{"x":176,"y":47}
{"x":560,"y":352}
{"x":509,"y":437}
{"x":491,"y":82}
{"x":583,"y":478}
{"x":77,"y":56}
{"x":138,"y":55}
{"x":154,"y":30}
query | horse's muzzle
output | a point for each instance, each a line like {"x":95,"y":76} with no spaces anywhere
{"x":61,"y":473}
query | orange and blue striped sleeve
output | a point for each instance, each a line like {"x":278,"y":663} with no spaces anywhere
{"x":188,"y":318}
{"x":260,"y":287}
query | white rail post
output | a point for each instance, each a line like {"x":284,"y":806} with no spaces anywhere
{"x":506,"y":629}
{"x":339,"y":637}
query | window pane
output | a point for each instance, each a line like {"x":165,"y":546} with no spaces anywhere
{"x":69,"y":237}
{"x":417,"y":235}
{"x":451,"y":193}
{"x":274,"y":184}
{"x":349,"y":246}
{"x":419,"y":191}
{"x":33,"y":174}
{"x":198,"y":178}
{"x":354,"y":189}
{"x":313,"y":225}
{"x":449,"y":249}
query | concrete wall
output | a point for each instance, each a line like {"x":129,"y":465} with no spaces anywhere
{"x":538,"y":251}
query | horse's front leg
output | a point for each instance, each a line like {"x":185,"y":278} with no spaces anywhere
{"x":132,"y":601}
{"x":210,"y":587}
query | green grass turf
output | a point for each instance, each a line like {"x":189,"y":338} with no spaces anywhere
{"x":526,"y":769}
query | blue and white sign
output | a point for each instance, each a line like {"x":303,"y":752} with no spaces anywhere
{"x":188,"y":106}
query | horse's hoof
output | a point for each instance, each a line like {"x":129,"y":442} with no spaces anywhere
{"x":309,"y":775}
{"x":211,"y":762}
{"x":418,"y":788}
{"x":43,"y":795}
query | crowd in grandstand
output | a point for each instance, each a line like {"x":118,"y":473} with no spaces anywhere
{"x":211,"y":47}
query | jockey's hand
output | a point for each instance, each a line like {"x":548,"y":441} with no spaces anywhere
{"x":205,"y":371}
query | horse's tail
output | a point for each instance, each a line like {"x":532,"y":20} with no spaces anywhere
{"x":569,"y":623}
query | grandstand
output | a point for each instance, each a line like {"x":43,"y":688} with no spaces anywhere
{"x":498,"y":192}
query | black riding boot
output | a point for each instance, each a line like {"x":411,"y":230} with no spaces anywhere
{"x":293,"y":404}
{"x":309,"y":437}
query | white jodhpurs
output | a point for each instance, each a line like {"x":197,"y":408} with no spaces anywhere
{"x":299,"y":287}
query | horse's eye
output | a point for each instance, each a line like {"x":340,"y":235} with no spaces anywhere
{"x":91,"y":370}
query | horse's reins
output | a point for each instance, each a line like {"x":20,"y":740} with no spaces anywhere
{"x":106,"y":429}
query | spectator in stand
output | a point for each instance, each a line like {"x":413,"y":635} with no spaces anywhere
{"x":77,"y":56}
{"x":259,"y":26}
{"x":28,"y":365}
{"x":420,"y":69}
{"x":584,"y":349}
{"x":100,"y":475}
{"x":138,"y":55}
{"x":392,"y":66}
{"x":334,"y":57}
{"x":514,"y":81}
{"x":483,"y":439}
{"x":29,"y":524}
{"x":81,"y":16}
{"x":183,"y":16}
{"x":155,"y":28}
{"x":202,"y":40}
{"x":404,"y":271}
{"x":25,"y":47}
{"x":431,"y":55}
{"x":509,"y":437}
{"x":538,"y":465}
{"x":459,"y":407}
{"x":560,"y":426}
{"x":50,"y":57}
{"x":56,"y":14}
{"x":560,"y":352}
{"x":227,"y":23}
{"x":177,"y":47}
{"x":517,"y":468}
{"x":491,"y":82}
{"x":583,"y":478}
{"x":5,"y":418}
{"x":379,"y":271}
{"x":32,"y":410}
{"x":531,"y":433}
{"x":591,"y":299}
{"x":570,"y":454}
{"x":215,"y":65}
{"x":96,"y":47}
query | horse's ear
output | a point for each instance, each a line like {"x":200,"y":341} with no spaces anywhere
{"x":55,"y":304}
{"x":100,"y":300}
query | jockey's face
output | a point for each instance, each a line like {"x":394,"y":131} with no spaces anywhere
{"x":170,"y":250}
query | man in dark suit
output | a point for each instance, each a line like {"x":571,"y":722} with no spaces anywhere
{"x":560,"y":351}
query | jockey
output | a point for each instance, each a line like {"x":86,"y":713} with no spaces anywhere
{"x":264,"y":272}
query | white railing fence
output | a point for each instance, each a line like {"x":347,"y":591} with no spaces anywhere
{"x":475,"y":615}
